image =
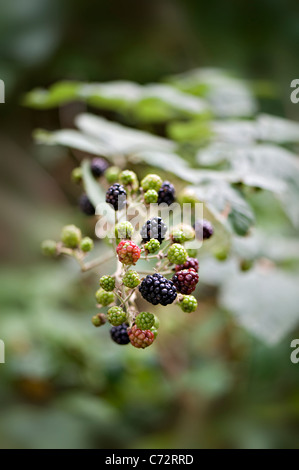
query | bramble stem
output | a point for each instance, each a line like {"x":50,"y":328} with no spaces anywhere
{"x":95,"y":262}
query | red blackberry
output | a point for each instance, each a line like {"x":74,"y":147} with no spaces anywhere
{"x":128,"y":252}
{"x":156,"y":289}
{"x":203,"y":229}
{"x":98,"y":166}
{"x":86,"y":206}
{"x":119,"y":334}
{"x":185,"y":281}
{"x":190,"y":263}
{"x":116,"y":196}
{"x":140,"y":338}
{"x":166,"y":193}
{"x":153,"y":228}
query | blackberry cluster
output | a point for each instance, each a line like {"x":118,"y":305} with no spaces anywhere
{"x":185,"y":281}
{"x":190,"y":263}
{"x":153,"y":228}
{"x":156,"y":289}
{"x":116,"y":196}
{"x":86,"y":205}
{"x":98,"y":166}
{"x":166,"y":193}
{"x":119,"y":334}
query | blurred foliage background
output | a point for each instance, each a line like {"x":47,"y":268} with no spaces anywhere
{"x":208,"y":382}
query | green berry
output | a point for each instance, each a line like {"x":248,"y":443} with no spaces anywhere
{"x":129,"y":178}
{"x":76,"y":175}
{"x":145,"y":320}
{"x":116,"y":316}
{"x":188,"y":231}
{"x":131,"y":279}
{"x":71,"y":236}
{"x":246,"y":264}
{"x":98,"y":320}
{"x":154,"y":331}
{"x":107,"y":283}
{"x":157,"y":322}
{"x":221,"y":254}
{"x":151,"y":196}
{"x":49,"y":247}
{"x":192,"y":253}
{"x":188,"y":196}
{"x":178,"y":236}
{"x":152,"y":246}
{"x":151,"y":181}
{"x":104,"y":298}
{"x":112,"y":174}
{"x":188,"y":303}
{"x":86,"y":244}
{"x":177,"y":254}
{"x":124,"y":230}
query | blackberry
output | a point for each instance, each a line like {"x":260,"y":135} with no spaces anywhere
{"x":129,"y":178}
{"x":112,"y":174}
{"x":107,"y":283}
{"x":76,"y":175}
{"x":124,"y":230}
{"x":116,"y":316}
{"x":71,"y":236}
{"x":145,"y":320}
{"x":86,"y":206}
{"x":99,"y":319}
{"x":98,"y":166}
{"x":203,"y":229}
{"x":49,"y":247}
{"x":152,"y":246}
{"x":188,"y":303}
{"x":153,"y":228}
{"x":119,"y":334}
{"x":190,"y":263}
{"x":166,"y":193}
{"x":185,"y":281}
{"x":104,"y":298}
{"x":128,"y":252}
{"x":131,"y":279}
{"x":177,"y":254}
{"x":156,"y":289}
{"x":151,"y":196}
{"x":140,"y":338}
{"x":116,"y":196}
{"x":86,"y":244}
{"x":151,"y":181}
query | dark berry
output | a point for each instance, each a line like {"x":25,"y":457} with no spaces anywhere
{"x":203,"y":229}
{"x":190,"y":263}
{"x":98,"y":166}
{"x":116,"y":196}
{"x":153,"y":228}
{"x":119,"y":334}
{"x":156,"y":289}
{"x":185,"y":281}
{"x":166,"y":193}
{"x":86,"y":206}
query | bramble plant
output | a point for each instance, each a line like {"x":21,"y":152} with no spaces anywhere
{"x":174,"y":272}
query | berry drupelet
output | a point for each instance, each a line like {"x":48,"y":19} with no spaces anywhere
{"x":153,"y":228}
{"x":116,"y":196}
{"x":156,"y":289}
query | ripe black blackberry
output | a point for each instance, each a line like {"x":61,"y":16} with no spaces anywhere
{"x":156,"y":289}
{"x":185,"y":281}
{"x":116,"y":196}
{"x":203,"y":229}
{"x":153,"y":228}
{"x":119,"y":334}
{"x":86,"y":206}
{"x":98,"y":166}
{"x":166,"y":193}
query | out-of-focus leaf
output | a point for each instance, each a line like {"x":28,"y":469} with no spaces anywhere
{"x":221,"y":199}
{"x":58,"y":94}
{"x":210,"y":379}
{"x":276,"y":129}
{"x":197,"y":131}
{"x":265,"y":302}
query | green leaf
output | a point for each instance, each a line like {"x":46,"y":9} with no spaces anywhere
{"x":57,"y":95}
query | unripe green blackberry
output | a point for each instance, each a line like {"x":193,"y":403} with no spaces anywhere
{"x":151,"y":196}
{"x":188,"y":231}
{"x":112,"y":174}
{"x":116,"y":316}
{"x":188,"y":196}
{"x":188,"y":303}
{"x":71,"y":236}
{"x":104,"y":298}
{"x":154,"y":331}
{"x":99,"y":319}
{"x":177,"y":236}
{"x":76,"y":175}
{"x":246,"y":264}
{"x":156,"y":322}
{"x":86,"y":244}
{"x":49,"y":248}
{"x":131,"y":279}
{"x":151,"y":181}
{"x":129,"y":178}
{"x":192,"y":253}
{"x":177,"y":254}
{"x":145,"y":320}
{"x":124,"y":230}
{"x":221,"y":254}
{"x":152,"y":246}
{"x":107,"y":283}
